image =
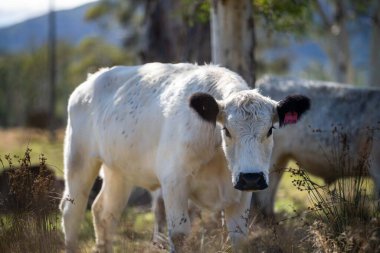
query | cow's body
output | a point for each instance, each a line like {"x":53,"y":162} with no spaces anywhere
{"x":352,"y":111}
{"x":138,"y":122}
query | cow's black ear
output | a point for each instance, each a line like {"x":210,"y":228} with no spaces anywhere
{"x":205,"y":105}
{"x":291,"y":109}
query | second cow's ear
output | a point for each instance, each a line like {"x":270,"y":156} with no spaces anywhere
{"x":291,"y":109}
{"x":206,"y":106}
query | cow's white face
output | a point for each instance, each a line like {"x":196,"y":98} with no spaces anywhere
{"x":247,"y":120}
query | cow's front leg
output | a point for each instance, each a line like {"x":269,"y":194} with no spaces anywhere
{"x":175,"y":193}
{"x":237,"y":219}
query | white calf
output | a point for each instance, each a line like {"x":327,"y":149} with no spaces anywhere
{"x":186,"y":128}
{"x":311,"y":143}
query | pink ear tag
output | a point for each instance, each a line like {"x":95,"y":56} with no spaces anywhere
{"x":290,"y":118}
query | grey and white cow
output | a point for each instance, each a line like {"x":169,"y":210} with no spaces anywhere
{"x":198,"y":132}
{"x":311,"y":142}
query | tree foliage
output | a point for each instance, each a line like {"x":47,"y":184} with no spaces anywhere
{"x":284,"y":16}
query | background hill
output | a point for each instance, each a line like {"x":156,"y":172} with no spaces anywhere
{"x":72,"y":27}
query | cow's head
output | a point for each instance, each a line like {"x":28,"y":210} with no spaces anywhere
{"x":247,"y":119}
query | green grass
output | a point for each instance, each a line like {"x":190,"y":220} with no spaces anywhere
{"x":288,"y":197}
{"x":134,"y":232}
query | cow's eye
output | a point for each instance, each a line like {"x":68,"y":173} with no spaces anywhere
{"x":270,"y":131}
{"x":227,"y":132}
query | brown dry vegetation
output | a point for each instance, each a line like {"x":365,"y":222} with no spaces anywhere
{"x":352,"y":228}
{"x":29,"y":216}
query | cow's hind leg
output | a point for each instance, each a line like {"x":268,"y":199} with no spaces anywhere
{"x":109,"y":206}
{"x":80,"y":174}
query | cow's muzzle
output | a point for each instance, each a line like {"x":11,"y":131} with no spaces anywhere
{"x":251,"y":182}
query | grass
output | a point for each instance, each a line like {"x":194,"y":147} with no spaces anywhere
{"x":134,"y":232}
{"x":287,"y":197}
{"x":313,"y":220}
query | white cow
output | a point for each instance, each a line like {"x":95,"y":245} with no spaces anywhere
{"x":155,"y":125}
{"x":352,"y":110}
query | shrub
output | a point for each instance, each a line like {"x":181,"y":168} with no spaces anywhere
{"x":29,"y":219}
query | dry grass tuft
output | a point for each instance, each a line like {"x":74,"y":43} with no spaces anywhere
{"x":346,"y":218}
{"x":30,"y":220}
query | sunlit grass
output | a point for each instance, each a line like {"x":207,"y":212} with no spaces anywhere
{"x":134,"y":232}
{"x":288,"y":198}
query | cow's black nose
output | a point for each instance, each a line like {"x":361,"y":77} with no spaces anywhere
{"x":251,"y":182}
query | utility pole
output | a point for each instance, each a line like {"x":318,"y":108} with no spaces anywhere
{"x":52,"y":68}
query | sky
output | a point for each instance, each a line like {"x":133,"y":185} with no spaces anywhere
{"x":15,"y":11}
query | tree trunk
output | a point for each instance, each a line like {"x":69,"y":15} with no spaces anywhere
{"x":338,"y":49}
{"x":233,"y":37}
{"x":374,"y":64}
{"x":337,"y":41}
{"x":160,"y":44}
{"x":168,"y":38}
{"x":344,"y":67}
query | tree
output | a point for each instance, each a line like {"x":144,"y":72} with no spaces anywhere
{"x":233,"y":37}
{"x":334,"y":24}
{"x":162,"y":30}
{"x":374,"y":63}
{"x":173,"y":31}
{"x":333,"y":17}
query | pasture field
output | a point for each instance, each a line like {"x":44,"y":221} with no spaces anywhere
{"x":298,"y":226}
